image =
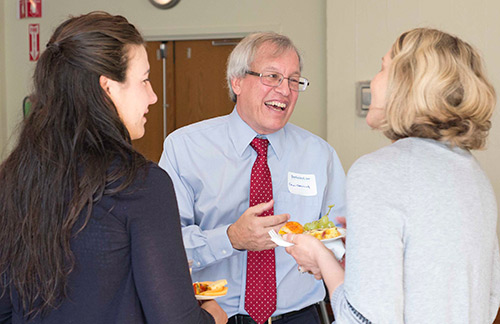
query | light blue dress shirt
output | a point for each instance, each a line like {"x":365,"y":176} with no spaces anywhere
{"x":210,"y":164}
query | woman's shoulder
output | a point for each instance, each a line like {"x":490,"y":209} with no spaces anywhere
{"x":382,"y":159}
{"x":152,"y":175}
{"x":391,"y":165}
{"x":154,"y":171}
{"x":150,"y":191}
{"x":397,"y":154}
{"x":150,"y":179}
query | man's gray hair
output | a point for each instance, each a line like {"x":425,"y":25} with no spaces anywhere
{"x":243,"y":54}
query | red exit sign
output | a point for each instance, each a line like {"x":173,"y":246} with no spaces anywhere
{"x":34,"y":38}
{"x":29,"y":9}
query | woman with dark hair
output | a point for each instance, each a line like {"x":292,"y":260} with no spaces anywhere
{"x":422,"y":245}
{"x":89,"y":229}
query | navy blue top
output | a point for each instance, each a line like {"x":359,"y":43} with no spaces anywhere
{"x":131,"y":266}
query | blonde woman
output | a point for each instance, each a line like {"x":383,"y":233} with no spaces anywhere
{"x":421,"y":213}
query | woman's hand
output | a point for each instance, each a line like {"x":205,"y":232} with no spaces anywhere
{"x":307,"y":252}
{"x":342,"y":223}
{"x":215,"y":310}
{"x":313,"y":256}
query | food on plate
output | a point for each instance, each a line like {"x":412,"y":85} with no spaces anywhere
{"x":322,"y":229}
{"x":210,"y":288}
{"x":291,"y":228}
{"x":324,"y":234}
{"x":323,"y":222}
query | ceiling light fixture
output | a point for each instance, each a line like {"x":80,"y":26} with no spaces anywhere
{"x":164,"y":4}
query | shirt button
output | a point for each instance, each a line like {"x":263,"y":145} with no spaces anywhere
{"x":224,"y":251}
{"x":198,"y":263}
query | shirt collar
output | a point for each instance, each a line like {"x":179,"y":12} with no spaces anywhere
{"x":241,"y":134}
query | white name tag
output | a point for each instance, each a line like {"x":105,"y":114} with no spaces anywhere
{"x":302,"y":184}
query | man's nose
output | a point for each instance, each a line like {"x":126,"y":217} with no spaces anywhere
{"x":284,"y":87}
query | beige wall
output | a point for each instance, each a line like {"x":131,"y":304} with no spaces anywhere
{"x":359,"y":33}
{"x":3,"y":121}
{"x":342,"y":46}
{"x":303,"y":21}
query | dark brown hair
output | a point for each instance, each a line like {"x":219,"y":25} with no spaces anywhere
{"x":62,"y":163}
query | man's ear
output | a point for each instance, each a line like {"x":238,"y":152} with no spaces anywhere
{"x":236,"y":85}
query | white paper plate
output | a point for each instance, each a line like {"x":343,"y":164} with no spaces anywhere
{"x":342,"y":235}
{"x":335,"y":244}
{"x":203,"y":297}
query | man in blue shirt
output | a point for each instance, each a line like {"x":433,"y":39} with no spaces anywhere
{"x":210,"y":164}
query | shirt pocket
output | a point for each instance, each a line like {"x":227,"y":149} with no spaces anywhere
{"x":301,"y":208}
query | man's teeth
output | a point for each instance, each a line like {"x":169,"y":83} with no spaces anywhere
{"x":276,"y":105}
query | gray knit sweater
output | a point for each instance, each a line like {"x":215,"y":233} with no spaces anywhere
{"x":421,"y":242}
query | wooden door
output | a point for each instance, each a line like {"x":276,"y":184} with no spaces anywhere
{"x":200,"y":80}
{"x":195,"y":87}
{"x":151,"y":144}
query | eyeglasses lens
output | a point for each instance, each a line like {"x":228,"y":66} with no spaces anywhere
{"x":275,"y":79}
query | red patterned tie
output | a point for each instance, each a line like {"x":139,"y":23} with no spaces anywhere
{"x":260,"y":295}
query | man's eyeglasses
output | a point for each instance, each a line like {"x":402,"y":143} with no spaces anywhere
{"x":274,"y":79}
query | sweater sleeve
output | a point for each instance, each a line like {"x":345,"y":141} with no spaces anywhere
{"x":159,"y":262}
{"x":344,"y":312}
{"x":374,"y":247}
{"x":495,"y":291}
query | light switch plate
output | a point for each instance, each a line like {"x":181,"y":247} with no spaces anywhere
{"x":363,"y":97}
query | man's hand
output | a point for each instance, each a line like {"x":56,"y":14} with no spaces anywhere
{"x":249,"y":232}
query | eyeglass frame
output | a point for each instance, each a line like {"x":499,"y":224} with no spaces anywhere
{"x":261,"y":75}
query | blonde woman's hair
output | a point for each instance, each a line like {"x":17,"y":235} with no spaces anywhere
{"x":437,"y":89}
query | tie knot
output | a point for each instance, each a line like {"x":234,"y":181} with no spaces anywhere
{"x":260,"y":146}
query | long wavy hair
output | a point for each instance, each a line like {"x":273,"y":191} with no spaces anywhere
{"x":438,"y":89}
{"x":71,"y":147}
